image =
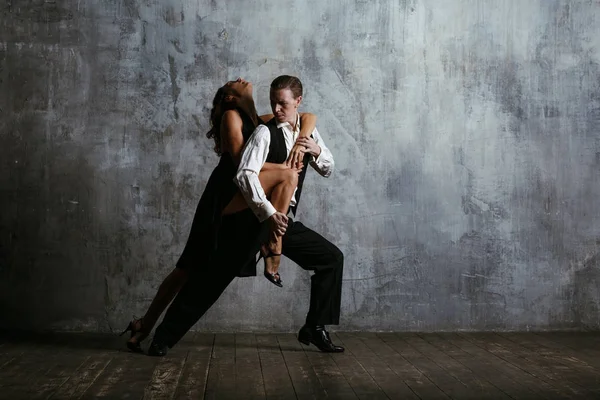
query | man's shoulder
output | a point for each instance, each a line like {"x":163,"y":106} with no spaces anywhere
{"x":261,"y":128}
{"x":270,"y":123}
{"x":261,"y":132}
{"x":265,"y":127}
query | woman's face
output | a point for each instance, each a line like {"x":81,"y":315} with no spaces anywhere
{"x":239,"y":88}
{"x":284,"y":105}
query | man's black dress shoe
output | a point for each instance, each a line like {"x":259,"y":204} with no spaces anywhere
{"x":319,"y":337}
{"x":157,"y":350}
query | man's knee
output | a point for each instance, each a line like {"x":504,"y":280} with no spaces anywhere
{"x":338,"y":257}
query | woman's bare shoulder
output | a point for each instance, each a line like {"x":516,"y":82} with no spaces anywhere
{"x":231,"y":118}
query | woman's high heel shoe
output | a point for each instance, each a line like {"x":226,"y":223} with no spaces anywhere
{"x":272,"y":277}
{"x":137,"y":331}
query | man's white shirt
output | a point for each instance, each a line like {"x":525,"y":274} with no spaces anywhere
{"x":254,"y":156}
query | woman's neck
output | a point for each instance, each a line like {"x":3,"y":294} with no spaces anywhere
{"x":247,"y":105}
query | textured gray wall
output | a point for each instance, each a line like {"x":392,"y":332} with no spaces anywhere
{"x":465,"y":133}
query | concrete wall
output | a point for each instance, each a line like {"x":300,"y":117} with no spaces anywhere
{"x":466,"y":135}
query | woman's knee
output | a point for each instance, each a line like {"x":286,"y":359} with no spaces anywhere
{"x":290,"y":177}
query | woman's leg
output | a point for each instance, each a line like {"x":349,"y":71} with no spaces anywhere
{"x":280,"y":198}
{"x":167,"y":290}
{"x":279,"y":186}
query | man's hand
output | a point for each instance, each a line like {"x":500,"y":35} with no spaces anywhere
{"x":298,"y":169}
{"x":278,"y":223}
{"x":281,"y":167}
{"x":310,"y":145}
{"x":296,"y":156}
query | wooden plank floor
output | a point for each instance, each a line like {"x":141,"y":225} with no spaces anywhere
{"x":275,"y":366}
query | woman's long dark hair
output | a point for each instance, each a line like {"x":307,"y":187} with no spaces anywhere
{"x":215,"y":119}
{"x":216,"y":115}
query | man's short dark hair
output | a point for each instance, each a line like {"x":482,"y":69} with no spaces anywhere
{"x":288,"y":82}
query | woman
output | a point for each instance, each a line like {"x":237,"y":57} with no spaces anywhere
{"x":233,"y":119}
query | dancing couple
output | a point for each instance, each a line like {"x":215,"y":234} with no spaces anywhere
{"x":244,"y":211}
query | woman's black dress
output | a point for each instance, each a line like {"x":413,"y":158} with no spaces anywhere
{"x":204,"y":235}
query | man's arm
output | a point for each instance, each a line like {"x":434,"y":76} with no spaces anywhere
{"x":308,"y":122}
{"x":252,"y":160}
{"x":322,"y":159}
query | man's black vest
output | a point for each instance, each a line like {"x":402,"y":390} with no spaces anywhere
{"x":278,"y":155}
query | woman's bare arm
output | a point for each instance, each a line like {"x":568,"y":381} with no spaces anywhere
{"x":308,"y":123}
{"x":266,"y":118}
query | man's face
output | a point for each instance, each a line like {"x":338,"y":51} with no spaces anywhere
{"x":284,"y":105}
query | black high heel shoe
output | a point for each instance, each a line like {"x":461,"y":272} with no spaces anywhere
{"x":274,"y":277}
{"x":132,"y":326}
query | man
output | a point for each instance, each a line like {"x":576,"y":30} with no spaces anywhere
{"x":272,"y":143}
